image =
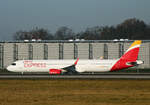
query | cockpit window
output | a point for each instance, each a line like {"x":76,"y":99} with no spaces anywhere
{"x":14,"y":64}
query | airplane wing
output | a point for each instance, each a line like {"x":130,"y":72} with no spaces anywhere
{"x":71,"y":69}
{"x":66,"y":70}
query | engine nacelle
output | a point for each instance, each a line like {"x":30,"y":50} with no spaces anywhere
{"x":55,"y":71}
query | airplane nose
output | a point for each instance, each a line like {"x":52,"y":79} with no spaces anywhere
{"x":9,"y":68}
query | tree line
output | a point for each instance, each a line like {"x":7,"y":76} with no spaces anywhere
{"x":131,"y":29}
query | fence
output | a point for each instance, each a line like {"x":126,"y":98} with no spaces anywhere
{"x":12,"y":51}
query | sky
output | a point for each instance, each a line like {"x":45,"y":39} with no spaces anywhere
{"x":18,"y":15}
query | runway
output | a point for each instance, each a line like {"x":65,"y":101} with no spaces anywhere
{"x":100,"y":76}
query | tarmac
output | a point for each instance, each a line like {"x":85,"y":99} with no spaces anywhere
{"x":99,"y":76}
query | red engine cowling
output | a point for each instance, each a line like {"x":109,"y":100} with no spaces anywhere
{"x":55,"y":71}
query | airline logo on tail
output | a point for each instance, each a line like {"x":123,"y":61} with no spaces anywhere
{"x":129,"y":59}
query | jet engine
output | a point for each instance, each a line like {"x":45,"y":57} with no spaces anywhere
{"x":55,"y":71}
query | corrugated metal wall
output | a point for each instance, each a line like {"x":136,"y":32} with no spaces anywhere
{"x":98,"y":50}
{"x":10,"y":52}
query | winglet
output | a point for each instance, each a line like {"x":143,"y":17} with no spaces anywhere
{"x":76,"y":61}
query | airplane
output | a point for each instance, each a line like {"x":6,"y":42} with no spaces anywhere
{"x":129,"y":59}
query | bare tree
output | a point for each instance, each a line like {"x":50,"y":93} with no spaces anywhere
{"x":37,"y":33}
{"x":64,"y":33}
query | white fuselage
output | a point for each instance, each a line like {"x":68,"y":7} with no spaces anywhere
{"x":46,"y":65}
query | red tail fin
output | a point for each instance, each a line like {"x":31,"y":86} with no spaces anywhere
{"x":128,"y":59}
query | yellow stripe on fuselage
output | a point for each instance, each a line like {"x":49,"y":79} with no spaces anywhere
{"x":137,"y":42}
